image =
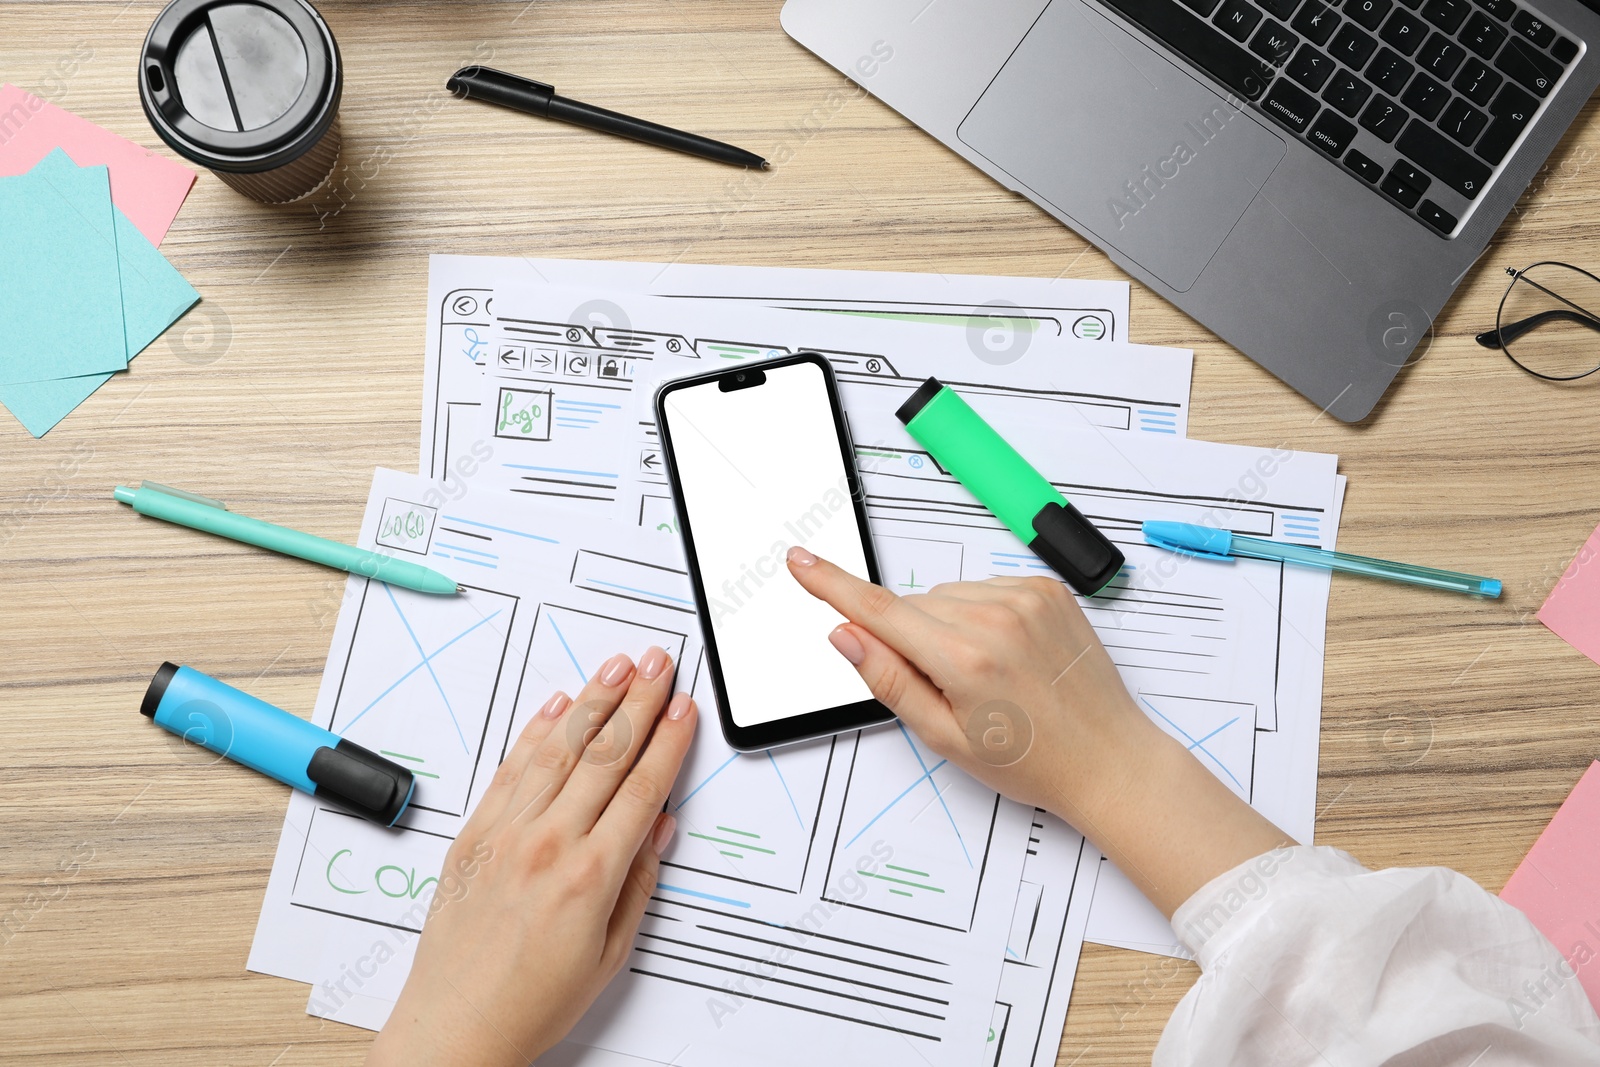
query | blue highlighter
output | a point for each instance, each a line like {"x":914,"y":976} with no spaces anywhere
{"x":216,"y":716}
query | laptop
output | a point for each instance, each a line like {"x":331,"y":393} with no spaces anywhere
{"x":1310,"y":179}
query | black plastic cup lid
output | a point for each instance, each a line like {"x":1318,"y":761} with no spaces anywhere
{"x":240,"y":85}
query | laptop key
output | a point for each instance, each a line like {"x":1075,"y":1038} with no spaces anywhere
{"x":1383,"y":118}
{"x":1564,"y":50}
{"x":1463,"y":122}
{"x":1171,"y":23}
{"x":1534,"y":29}
{"x":1428,"y":148}
{"x":1273,"y":43}
{"x":1445,"y":14}
{"x":1477,"y":82}
{"x":1204,"y":8}
{"x":1500,"y":9}
{"x":1436,"y":216}
{"x":1280,"y":9}
{"x":1363,"y":167}
{"x":1352,"y":47}
{"x":1237,"y":19}
{"x":1310,"y":68}
{"x":1534,"y":70}
{"x":1404,"y":31}
{"x":1290,"y":105}
{"x":1331,"y":134}
{"x":1393,"y":185}
{"x":1347,"y":93}
{"x":1482,"y":36}
{"x":1426,"y":97}
{"x":1317,"y":21}
{"x":1389,"y":72}
{"x":1512,"y":110}
{"x":1368,"y":12}
{"x":1441,"y":56}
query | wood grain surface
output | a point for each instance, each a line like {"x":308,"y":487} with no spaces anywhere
{"x":1452,"y":728}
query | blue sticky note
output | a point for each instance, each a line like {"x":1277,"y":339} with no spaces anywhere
{"x":60,"y":288}
{"x":153,"y":296}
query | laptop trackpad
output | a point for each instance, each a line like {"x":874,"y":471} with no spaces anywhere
{"x":1136,"y":151}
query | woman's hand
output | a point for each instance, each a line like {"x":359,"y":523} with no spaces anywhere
{"x":563,"y":851}
{"x":1007,"y":680}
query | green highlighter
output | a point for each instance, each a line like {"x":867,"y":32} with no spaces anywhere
{"x":961,"y":442}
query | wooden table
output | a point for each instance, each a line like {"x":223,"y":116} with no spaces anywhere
{"x":1451,"y":728}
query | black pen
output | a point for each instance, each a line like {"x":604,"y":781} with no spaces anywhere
{"x":537,"y":98}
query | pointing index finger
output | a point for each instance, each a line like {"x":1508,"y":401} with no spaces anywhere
{"x":889,"y":618}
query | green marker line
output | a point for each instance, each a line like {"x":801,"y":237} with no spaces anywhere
{"x":741,"y":833}
{"x":735,"y":855}
{"x":401,"y":755}
{"x":737,"y":350}
{"x":426,"y":774}
{"x":735,"y":844}
{"x":908,"y":870}
{"x":900,"y":892}
{"x":902,"y":881}
{"x":877,"y":455}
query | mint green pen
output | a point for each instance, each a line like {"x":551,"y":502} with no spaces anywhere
{"x":1211,"y":543}
{"x":213,"y":517}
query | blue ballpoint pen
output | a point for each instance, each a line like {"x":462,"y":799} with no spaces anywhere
{"x":1211,"y":543}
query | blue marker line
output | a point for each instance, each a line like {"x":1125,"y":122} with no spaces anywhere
{"x":1163,"y":414}
{"x":1300,"y":536}
{"x":702,"y":896}
{"x":893,"y":802}
{"x":707,"y":781}
{"x":1003,"y":563}
{"x":470,"y":551}
{"x":929,"y":774}
{"x":560,"y":637}
{"x":1152,"y":429}
{"x":555,"y":470}
{"x":502,"y":529}
{"x":426,"y":663}
{"x":564,"y":403}
{"x":643,"y":592}
{"x":415,"y":669}
{"x":1196,"y":744}
{"x":474,"y":562}
{"x":568,"y":420}
{"x":779,"y":772}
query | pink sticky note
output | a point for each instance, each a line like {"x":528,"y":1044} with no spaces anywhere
{"x":1557,"y":884}
{"x":147,"y":187}
{"x":1573,"y":609}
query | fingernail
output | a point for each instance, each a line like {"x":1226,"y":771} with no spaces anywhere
{"x":555,"y":706}
{"x":615,"y":670}
{"x":679,"y":707}
{"x":653,"y":663}
{"x":662,"y":837}
{"x":800,"y":557}
{"x":847,"y":644}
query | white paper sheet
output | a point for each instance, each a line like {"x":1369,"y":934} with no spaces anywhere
{"x":569,"y":357}
{"x":806,"y":908}
{"x":1121,"y":917}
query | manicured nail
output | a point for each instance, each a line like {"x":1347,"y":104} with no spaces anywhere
{"x":679,"y":706}
{"x":848,"y":645}
{"x":800,"y":557}
{"x":666,"y":825}
{"x":653,"y":663}
{"x":555,"y":706}
{"x":616,"y":670}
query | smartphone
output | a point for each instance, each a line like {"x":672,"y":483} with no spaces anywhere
{"x":760,"y":459}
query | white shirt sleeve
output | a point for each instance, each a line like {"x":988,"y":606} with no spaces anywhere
{"x":1308,"y":958}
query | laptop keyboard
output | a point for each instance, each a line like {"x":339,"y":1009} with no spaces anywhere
{"x":1419,"y":99}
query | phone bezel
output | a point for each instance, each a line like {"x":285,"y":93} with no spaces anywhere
{"x":825,"y":721}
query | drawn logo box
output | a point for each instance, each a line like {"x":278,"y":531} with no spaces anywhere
{"x":523,"y":414}
{"x":406,"y":527}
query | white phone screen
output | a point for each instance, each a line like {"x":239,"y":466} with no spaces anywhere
{"x":760,"y":469}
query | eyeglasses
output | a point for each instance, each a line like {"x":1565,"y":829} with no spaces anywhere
{"x":1549,"y":322}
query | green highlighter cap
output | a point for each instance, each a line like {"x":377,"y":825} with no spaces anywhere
{"x":961,"y":442}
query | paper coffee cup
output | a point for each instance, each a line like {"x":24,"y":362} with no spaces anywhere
{"x":248,"y":89}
